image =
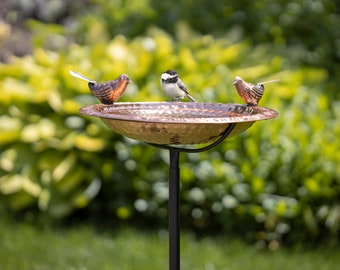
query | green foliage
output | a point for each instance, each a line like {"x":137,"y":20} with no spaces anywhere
{"x":279,"y":180}
{"x":297,"y":23}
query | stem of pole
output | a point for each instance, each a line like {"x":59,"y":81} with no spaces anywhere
{"x":174,"y":216}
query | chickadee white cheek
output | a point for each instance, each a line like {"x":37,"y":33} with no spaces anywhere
{"x":166,"y":76}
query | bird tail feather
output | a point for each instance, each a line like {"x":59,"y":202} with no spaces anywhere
{"x":191,"y":98}
{"x":81,"y":76}
{"x":269,"y":81}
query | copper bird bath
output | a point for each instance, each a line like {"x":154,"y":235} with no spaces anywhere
{"x":171,"y":125}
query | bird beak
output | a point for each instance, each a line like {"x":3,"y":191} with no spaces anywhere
{"x":126,"y":78}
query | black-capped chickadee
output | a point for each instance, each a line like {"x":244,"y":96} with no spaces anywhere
{"x":250,"y":93}
{"x":173,"y":86}
{"x":107,"y":92}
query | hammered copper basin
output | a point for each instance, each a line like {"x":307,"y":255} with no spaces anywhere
{"x":176,"y":122}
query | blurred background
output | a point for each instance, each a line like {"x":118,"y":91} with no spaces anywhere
{"x":277,"y":183}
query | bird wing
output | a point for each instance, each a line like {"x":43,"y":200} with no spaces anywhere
{"x":182,"y":86}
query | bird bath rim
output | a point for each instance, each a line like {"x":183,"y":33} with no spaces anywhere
{"x":177,"y":122}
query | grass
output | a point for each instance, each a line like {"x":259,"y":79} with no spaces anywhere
{"x":25,"y":246}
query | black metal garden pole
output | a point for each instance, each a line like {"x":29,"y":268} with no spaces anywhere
{"x":174,"y":217}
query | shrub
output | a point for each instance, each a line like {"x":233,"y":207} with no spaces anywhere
{"x":278,"y":180}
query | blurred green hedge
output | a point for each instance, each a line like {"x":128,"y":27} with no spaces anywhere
{"x":277,"y":181}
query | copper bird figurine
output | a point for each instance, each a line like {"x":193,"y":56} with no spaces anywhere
{"x":250,"y":93}
{"x":107,"y":92}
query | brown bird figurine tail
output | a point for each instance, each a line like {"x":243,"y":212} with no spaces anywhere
{"x":250,"y":93}
{"x":107,"y":92}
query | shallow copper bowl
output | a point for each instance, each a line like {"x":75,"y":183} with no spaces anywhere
{"x":176,"y":122}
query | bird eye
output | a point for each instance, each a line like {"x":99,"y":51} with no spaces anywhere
{"x":261,"y":86}
{"x":171,"y":72}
